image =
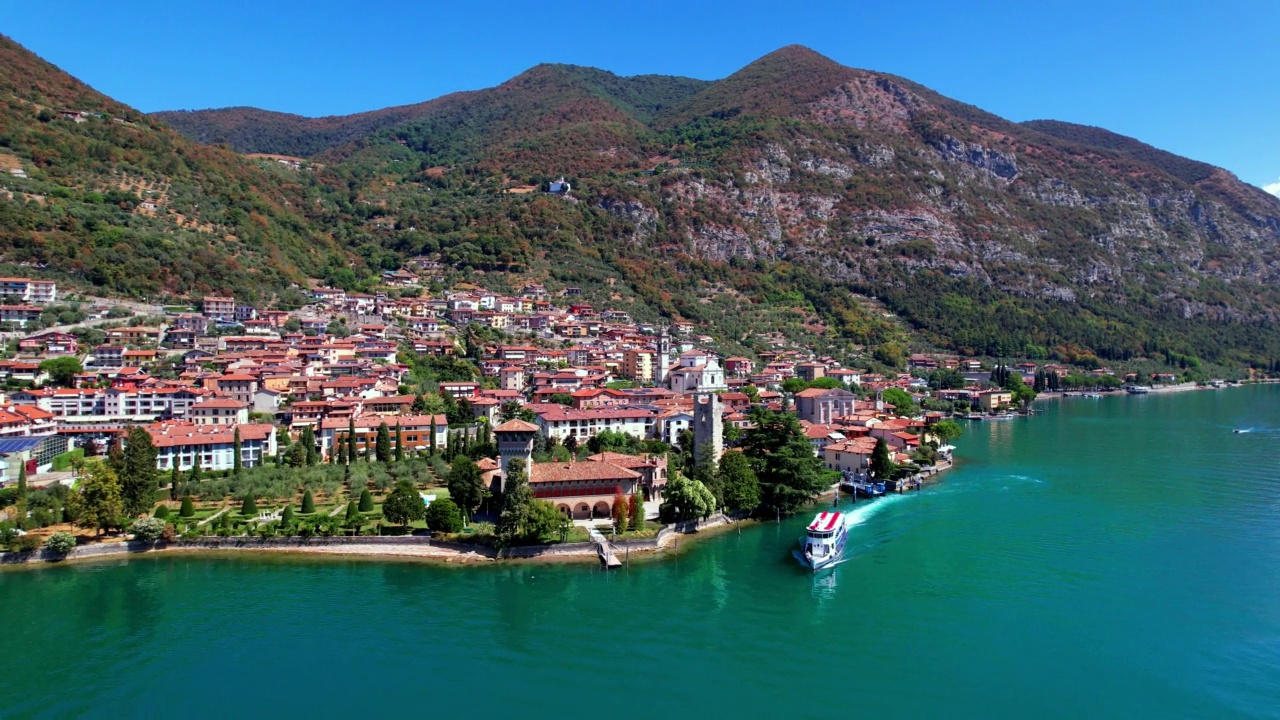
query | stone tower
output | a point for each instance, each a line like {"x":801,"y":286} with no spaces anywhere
{"x":515,"y":440}
{"x":708,"y":426}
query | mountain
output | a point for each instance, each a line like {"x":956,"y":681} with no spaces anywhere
{"x":96,"y":191}
{"x":250,"y":130}
{"x":796,"y":197}
{"x":445,"y":127}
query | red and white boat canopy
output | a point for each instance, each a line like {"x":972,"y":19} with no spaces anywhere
{"x":825,"y":521}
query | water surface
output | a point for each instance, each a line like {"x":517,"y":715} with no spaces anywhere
{"x":1117,"y":557}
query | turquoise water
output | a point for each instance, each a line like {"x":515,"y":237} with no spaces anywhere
{"x":1109,"y":558}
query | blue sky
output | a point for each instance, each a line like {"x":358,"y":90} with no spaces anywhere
{"x":1200,"y":79}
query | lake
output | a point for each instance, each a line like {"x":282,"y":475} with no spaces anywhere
{"x":1114,"y":557}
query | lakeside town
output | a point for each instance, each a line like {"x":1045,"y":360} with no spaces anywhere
{"x":465,"y":415}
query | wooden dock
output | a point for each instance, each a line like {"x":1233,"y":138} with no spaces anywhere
{"x":608,"y":554}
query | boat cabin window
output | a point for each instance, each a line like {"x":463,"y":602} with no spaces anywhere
{"x":818,"y":534}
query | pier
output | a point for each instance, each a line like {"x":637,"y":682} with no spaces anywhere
{"x":604,"y":548}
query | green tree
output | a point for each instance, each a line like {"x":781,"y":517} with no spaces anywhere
{"x":399,"y":451}
{"x":404,"y":504}
{"x":62,"y":371}
{"x":249,"y":507}
{"x":513,"y":410}
{"x":383,"y":444}
{"x":115,"y":455}
{"x":353,"y":513}
{"x":432,"y":446}
{"x":237,"y":465}
{"x":789,"y":474}
{"x":366,"y":501}
{"x":308,"y":502}
{"x":308,"y":441}
{"x":351,"y":440}
{"x":704,"y":471}
{"x":902,"y":402}
{"x":635,"y":512}
{"x":188,"y":508}
{"x":794,"y":385}
{"x":296,"y":455}
{"x":544,"y":523}
{"x":96,"y":502}
{"x":419,"y":405}
{"x":175,"y":479}
{"x":20,"y":502}
{"x":685,"y":499}
{"x":466,"y":484}
{"x":444,"y":516}
{"x":195,"y":475}
{"x":162,"y":512}
{"x":739,"y":483}
{"x":138,"y":475}
{"x":339,"y":454}
{"x":517,"y":498}
{"x":286,"y":516}
{"x":882,"y":465}
{"x":946,"y":379}
{"x":947,"y":431}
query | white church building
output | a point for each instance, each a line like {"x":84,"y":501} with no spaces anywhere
{"x":696,"y":372}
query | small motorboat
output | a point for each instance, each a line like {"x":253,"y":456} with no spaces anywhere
{"x":823,"y":542}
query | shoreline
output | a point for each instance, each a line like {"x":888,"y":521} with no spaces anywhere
{"x":381,"y":549}
{"x":404,"y":549}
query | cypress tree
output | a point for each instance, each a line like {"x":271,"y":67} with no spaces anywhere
{"x":21,"y":502}
{"x":138,"y":472}
{"x":236,"y":463}
{"x":433,"y":436}
{"x":308,"y":502}
{"x":339,"y":453}
{"x":353,"y":513}
{"x":249,"y":506}
{"x":382,"y":444}
{"x":286,"y":517}
{"x":195,"y":476}
{"x":351,"y":439}
{"x":308,"y":441}
{"x":188,"y":508}
{"x":399,"y":444}
{"x":115,"y":455}
{"x":881,"y":460}
{"x":635,"y":512}
{"x":366,"y":501}
{"x":174,"y":479}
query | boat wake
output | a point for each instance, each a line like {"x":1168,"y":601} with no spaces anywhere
{"x":1255,"y":429}
{"x":862,"y":512}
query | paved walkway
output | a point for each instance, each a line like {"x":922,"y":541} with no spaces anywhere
{"x":213,"y":517}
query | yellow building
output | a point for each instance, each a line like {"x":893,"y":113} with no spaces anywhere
{"x":994,"y":399}
{"x":638,"y":365}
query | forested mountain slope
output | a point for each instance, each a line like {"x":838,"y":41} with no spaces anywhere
{"x":784,"y":195}
{"x":106,"y":194}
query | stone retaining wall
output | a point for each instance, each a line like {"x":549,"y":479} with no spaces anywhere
{"x":661,"y":540}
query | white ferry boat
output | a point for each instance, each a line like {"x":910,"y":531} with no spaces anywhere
{"x":823,"y":541}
